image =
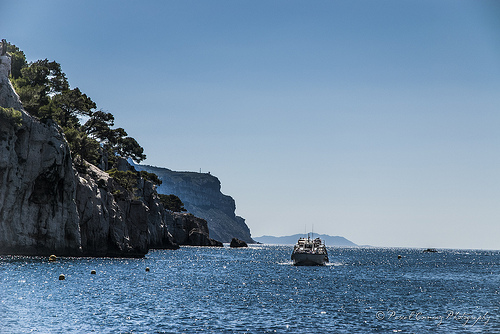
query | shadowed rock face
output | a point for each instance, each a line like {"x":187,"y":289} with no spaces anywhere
{"x":110,"y":225}
{"x":201,"y":195}
{"x":38,"y":214}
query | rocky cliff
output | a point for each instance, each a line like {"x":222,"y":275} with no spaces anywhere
{"x":37,"y":184}
{"x":201,"y":195}
{"x":47,"y":206}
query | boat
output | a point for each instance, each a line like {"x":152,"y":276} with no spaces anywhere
{"x":309,"y":252}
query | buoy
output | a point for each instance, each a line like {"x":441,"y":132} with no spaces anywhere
{"x":399,"y":256}
{"x":52,"y":258}
{"x":92,"y":272}
{"x":147,"y":269}
{"x":62,"y":277}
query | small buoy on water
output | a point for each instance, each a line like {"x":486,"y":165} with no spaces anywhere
{"x":52,"y":258}
{"x":92,"y":272}
{"x":62,"y":277}
{"x":399,"y":256}
{"x":147,"y":269}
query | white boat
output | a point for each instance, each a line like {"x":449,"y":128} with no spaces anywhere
{"x":309,"y":252}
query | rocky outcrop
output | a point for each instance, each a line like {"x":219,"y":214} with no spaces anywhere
{"x":237,"y":243}
{"x":111,"y":222}
{"x":201,"y":195}
{"x":189,"y":230}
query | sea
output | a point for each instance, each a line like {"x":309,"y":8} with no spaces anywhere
{"x":254,"y":290}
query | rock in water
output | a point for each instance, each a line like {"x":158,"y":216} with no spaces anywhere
{"x":237,"y":243}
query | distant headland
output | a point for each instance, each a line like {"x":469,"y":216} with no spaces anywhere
{"x":292,"y":239}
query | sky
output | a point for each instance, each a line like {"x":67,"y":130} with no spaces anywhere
{"x":377,"y":121}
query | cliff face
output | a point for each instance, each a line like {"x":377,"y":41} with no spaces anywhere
{"x":202,"y":197}
{"x":38,"y":213}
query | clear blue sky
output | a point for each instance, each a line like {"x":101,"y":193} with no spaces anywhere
{"x":374,"y":120}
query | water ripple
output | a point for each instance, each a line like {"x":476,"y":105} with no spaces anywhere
{"x":254,"y":290}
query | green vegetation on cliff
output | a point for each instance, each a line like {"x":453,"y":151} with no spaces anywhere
{"x":45,"y":93}
{"x":172,"y":203}
{"x":129,"y":179}
{"x":12,"y":116}
{"x":150,"y":177}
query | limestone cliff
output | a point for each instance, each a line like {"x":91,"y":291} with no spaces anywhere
{"x":201,"y":195}
{"x":38,"y":213}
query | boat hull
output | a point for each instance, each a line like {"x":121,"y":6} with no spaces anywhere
{"x":305,"y":259}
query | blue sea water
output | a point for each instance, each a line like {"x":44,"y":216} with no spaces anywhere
{"x":254,"y":290}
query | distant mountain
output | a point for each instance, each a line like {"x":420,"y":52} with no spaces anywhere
{"x":292,"y":239}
